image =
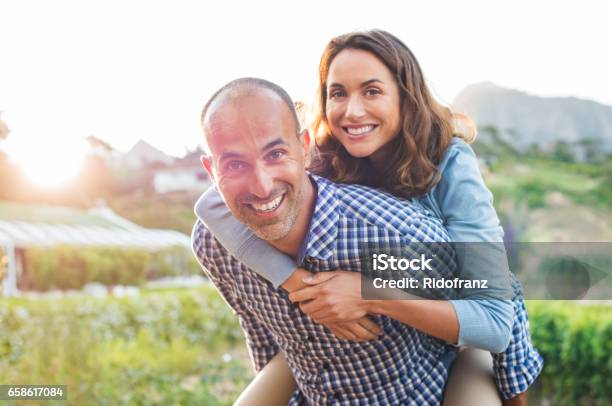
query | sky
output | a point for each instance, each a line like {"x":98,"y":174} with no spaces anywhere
{"x":130,"y":70}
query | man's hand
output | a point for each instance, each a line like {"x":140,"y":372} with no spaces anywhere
{"x":333,"y":297}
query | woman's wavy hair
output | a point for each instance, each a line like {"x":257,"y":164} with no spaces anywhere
{"x":426,"y":126}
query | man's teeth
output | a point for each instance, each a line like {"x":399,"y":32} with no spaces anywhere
{"x":359,"y":130}
{"x":268,"y":206}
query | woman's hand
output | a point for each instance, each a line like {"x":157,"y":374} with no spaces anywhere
{"x":360,"y":330}
{"x":332,"y":297}
{"x":357,"y":329}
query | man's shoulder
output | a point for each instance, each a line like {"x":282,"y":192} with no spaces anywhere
{"x":407,"y":218}
{"x":203,"y":242}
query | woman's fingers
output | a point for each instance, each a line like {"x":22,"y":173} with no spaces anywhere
{"x":342,"y":333}
{"x":316,"y":310}
{"x":318,"y":277}
{"x":369,"y":325}
{"x":358,"y":331}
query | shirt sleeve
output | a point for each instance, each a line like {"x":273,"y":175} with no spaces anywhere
{"x":260,"y":343}
{"x":466,"y":205}
{"x":241,"y":242}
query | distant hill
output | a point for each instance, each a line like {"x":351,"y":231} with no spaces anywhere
{"x":523,"y":119}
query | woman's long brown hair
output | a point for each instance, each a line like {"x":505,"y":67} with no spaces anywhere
{"x":426,"y":126}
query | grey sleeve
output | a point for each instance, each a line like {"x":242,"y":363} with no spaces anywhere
{"x":241,"y":242}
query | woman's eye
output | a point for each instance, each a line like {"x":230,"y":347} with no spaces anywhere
{"x":372,"y":92}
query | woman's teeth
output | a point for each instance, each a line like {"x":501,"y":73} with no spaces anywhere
{"x":268,"y":206}
{"x":359,"y":130}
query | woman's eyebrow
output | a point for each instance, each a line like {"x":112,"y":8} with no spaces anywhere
{"x":369,"y":82}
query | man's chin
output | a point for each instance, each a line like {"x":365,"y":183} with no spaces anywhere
{"x":270,"y":232}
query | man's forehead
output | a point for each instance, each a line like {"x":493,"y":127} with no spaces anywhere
{"x":246,"y":115}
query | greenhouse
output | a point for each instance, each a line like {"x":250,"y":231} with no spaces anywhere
{"x":33,"y":226}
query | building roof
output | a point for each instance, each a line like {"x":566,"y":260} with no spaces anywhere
{"x":24,"y":225}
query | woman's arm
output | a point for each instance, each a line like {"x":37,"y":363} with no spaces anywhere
{"x":466,"y":205}
{"x":336,"y":296}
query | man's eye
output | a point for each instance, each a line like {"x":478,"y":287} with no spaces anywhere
{"x":275,"y":155}
{"x":233,"y":166}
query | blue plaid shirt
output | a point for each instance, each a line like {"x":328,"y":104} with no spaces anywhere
{"x":403,"y":366}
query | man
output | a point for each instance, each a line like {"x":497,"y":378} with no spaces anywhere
{"x":256,"y":161}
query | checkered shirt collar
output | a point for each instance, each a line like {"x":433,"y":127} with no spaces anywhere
{"x":323,"y":229}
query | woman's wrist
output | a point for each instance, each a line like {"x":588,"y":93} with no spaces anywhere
{"x":376,"y":307}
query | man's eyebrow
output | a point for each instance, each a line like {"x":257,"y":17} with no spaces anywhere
{"x":274,"y":143}
{"x":229,"y":155}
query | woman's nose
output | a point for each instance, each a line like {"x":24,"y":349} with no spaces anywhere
{"x":354,"y":108}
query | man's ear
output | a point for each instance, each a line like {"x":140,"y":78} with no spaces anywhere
{"x":208,"y":166}
{"x":305,"y":136}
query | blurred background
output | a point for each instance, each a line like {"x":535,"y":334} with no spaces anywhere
{"x":99,"y":171}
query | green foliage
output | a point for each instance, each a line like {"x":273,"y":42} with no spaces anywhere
{"x":165,"y":347}
{"x":530,"y":180}
{"x":159,"y":348}
{"x":173,"y":261}
{"x":576,"y":343}
{"x":69,"y":267}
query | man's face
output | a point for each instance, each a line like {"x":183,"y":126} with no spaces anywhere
{"x":257,"y":161}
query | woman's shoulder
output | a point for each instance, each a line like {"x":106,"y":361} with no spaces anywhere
{"x":459,"y":156}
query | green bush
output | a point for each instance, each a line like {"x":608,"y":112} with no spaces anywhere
{"x":576,"y":343}
{"x":69,"y":267}
{"x":159,"y":348}
{"x":165,"y":347}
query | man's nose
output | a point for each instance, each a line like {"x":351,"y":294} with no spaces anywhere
{"x":354,"y":108}
{"x":261,"y":182}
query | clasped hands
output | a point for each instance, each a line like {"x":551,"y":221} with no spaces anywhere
{"x":333,"y":299}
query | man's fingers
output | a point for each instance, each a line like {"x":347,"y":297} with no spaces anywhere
{"x":304,"y":294}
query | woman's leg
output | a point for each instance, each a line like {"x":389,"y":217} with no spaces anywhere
{"x":272,"y":386}
{"x":471,"y":380}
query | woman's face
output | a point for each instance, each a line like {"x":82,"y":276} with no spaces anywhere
{"x":363,"y":103}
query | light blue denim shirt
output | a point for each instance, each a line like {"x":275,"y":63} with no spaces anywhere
{"x":460,"y":199}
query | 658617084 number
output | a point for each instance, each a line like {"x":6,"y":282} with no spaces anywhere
{"x":33,"y":392}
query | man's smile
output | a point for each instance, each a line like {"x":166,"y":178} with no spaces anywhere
{"x":268,"y":208}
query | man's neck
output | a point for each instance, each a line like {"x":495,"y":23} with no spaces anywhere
{"x":291,"y":243}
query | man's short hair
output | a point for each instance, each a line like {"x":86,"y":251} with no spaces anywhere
{"x":242,"y":86}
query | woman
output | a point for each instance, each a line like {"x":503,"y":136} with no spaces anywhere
{"x":377,"y":124}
